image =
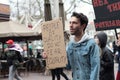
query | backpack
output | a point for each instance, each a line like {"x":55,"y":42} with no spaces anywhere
{"x":15,"y":57}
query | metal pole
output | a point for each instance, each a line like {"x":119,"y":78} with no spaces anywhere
{"x":116,"y":33}
{"x":61,"y":13}
{"x":47,"y":11}
{"x":27,"y":44}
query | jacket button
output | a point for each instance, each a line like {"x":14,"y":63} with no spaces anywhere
{"x":77,"y":68}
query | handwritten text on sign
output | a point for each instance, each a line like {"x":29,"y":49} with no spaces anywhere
{"x":54,"y":45}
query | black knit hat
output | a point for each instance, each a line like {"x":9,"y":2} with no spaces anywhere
{"x":102,"y":36}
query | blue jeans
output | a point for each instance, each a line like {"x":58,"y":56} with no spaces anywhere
{"x":13,"y":73}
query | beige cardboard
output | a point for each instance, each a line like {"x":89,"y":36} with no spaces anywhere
{"x":54,"y":45}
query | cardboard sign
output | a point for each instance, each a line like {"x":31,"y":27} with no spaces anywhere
{"x":54,"y":45}
{"x":107,"y":14}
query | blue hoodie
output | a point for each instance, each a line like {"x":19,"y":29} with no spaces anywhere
{"x":84,"y":58}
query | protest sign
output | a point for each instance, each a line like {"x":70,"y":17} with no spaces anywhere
{"x":107,"y":13}
{"x":54,"y":45}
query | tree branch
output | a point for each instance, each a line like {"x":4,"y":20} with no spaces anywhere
{"x":87,"y":2}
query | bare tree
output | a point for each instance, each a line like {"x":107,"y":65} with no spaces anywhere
{"x":40,"y":9}
{"x":36,"y":9}
{"x":88,"y":1}
{"x":73,"y":5}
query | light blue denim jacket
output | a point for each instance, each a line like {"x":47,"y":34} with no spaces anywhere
{"x":84,"y":59}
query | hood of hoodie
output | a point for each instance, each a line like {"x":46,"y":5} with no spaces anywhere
{"x":84,"y":38}
{"x":16,"y":47}
{"x":102,"y":39}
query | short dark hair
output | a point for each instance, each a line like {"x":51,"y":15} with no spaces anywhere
{"x":83,"y":18}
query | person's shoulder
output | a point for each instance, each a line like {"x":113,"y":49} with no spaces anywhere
{"x":108,"y":50}
{"x":14,"y":51}
{"x":70,"y":42}
{"x":91,"y":41}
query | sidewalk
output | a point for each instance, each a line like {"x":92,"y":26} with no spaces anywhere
{"x":38,"y":76}
{"x":43,"y":76}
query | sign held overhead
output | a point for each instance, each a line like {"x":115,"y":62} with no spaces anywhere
{"x":107,"y":14}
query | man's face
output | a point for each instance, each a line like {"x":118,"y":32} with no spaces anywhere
{"x":75,"y":26}
{"x":8,"y":45}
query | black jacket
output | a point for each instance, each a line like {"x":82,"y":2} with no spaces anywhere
{"x":106,"y":58}
{"x":107,"y":65}
{"x":12,"y":56}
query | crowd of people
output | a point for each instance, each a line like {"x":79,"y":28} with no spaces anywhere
{"x":88,"y":58}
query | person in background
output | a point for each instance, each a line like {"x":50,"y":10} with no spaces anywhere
{"x":39,"y":55}
{"x":106,"y":57}
{"x":40,"y":59}
{"x":116,"y":50}
{"x":14,"y":59}
{"x":57,"y":72}
{"x":82,"y":51}
{"x":25,"y":53}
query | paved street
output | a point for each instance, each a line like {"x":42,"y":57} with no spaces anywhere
{"x":41,"y":76}
{"x":38,"y":76}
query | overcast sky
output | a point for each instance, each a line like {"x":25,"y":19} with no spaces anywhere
{"x":83,"y":7}
{"x":4,"y":1}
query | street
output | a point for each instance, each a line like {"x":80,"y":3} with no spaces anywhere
{"x":45,"y":76}
{"x":37,"y":76}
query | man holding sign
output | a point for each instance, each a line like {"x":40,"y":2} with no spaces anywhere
{"x":54,"y":48}
{"x":83,"y":53}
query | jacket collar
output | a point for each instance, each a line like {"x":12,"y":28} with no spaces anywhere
{"x":85,"y":37}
